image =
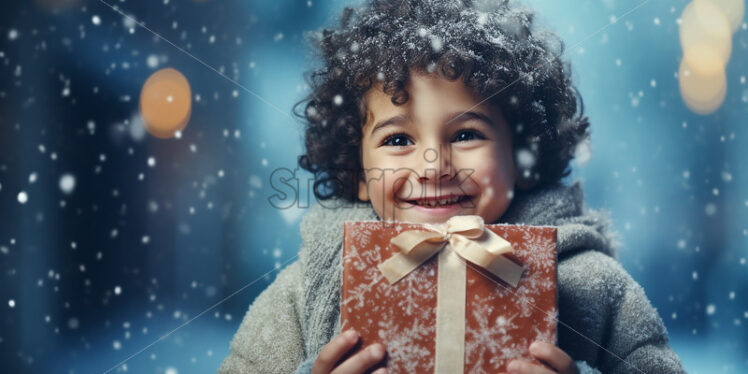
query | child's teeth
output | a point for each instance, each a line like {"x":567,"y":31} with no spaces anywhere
{"x":433,"y":203}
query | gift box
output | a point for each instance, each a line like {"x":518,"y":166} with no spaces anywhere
{"x":456,"y":297}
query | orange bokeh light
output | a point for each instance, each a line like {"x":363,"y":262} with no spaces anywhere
{"x":165,"y":103}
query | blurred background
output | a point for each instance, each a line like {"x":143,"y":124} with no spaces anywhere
{"x":124,"y":252}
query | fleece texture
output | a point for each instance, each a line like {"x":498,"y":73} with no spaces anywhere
{"x":606,"y":322}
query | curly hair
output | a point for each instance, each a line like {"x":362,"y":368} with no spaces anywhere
{"x":493,"y":48}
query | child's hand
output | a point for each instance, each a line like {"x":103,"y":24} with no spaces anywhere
{"x":331,"y":353}
{"x":558,"y":360}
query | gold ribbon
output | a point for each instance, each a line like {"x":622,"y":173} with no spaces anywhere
{"x":461,"y":236}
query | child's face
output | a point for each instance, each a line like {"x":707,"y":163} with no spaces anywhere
{"x":428,"y":148}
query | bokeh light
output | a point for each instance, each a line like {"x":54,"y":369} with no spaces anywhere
{"x":705,"y":26}
{"x":703,"y":93}
{"x":734,"y":10}
{"x":165,"y":103}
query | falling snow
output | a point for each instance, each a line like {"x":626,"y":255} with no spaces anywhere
{"x":67,"y":183}
{"x":94,"y":205}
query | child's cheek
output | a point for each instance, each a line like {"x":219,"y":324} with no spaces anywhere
{"x":497,"y":187}
{"x":385,"y":190}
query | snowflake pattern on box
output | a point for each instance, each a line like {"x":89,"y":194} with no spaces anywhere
{"x":500,"y":321}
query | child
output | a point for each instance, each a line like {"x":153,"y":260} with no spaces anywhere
{"x":430,"y":109}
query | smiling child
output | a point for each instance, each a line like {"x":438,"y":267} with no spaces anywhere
{"x":445,"y":145}
{"x":424,"y":110}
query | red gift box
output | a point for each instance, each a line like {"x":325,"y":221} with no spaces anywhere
{"x":498,"y":320}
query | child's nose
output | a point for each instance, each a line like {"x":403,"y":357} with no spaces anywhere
{"x":437,"y":164}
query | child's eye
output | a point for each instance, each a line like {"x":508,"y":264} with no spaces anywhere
{"x":468,"y":134}
{"x":397,"y":140}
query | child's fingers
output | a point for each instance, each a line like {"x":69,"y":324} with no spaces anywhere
{"x":553,"y":356}
{"x":524,"y":367}
{"x":362,"y":361}
{"x":331,"y":353}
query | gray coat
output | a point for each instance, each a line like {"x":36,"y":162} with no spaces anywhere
{"x":606,"y":323}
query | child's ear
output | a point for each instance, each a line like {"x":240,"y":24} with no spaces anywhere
{"x":363,"y":190}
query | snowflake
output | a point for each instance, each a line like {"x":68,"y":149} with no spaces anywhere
{"x":360,"y":234}
{"x":546,"y":335}
{"x":414,"y":289}
{"x":533,"y":283}
{"x":406,"y":354}
{"x":517,"y":349}
{"x":487,"y":336}
{"x":524,"y":295}
{"x":363,"y":261}
{"x":359,"y":294}
{"x":373,"y":256}
{"x":495,"y":339}
{"x":551,"y":317}
{"x":353,"y":258}
{"x":539,"y":249}
{"x":410,"y":293}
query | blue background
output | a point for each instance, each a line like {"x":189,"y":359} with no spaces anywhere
{"x":190,"y":242}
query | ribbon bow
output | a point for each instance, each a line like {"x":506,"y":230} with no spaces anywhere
{"x":465,"y":235}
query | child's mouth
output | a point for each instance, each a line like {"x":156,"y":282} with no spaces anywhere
{"x":440,"y":203}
